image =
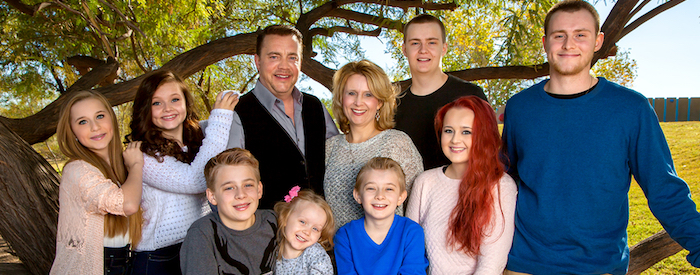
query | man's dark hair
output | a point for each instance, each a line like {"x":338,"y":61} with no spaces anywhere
{"x":283,"y":30}
{"x":572,"y":6}
{"x":425,"y":18}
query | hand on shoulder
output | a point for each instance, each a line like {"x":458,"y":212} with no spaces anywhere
{"x":132,"y":155}
{"x":226,"y":100}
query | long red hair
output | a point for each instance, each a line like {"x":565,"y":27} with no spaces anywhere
{"x":471,"y":218}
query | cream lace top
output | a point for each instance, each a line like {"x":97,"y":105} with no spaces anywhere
{"x":85,"y":196}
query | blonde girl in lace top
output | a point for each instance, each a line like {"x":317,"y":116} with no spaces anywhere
{"x":96,"y":194}
{"x":175,"y":152}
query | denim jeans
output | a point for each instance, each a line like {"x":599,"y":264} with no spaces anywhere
{"x":117,"y":260}
{"x":162,"y":261}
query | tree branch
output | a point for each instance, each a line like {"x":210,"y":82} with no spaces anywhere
{"x":59,"y":83}
{"x":378,"y":21}
{"x":126,"y":35}
{"x":617,"y":19}
{"x":505,"y":72}
{"x":183,"y":65}
{"x":404,"y":4}
{"x":647,"y":16}
{"x":136,"y":55}
{"x":639,"y":7}
{"x":650,"y":251}
{"x":126,"y":21}
{"x":104,"y":73}
{"x":26,"y":9}
{"x":330,"y":31}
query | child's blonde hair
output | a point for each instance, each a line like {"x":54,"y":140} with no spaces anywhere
{"x":233,"y":156}
{"x":381,"y":163}
{"x":284,"y":209}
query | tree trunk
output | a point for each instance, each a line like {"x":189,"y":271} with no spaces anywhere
{"x":28,"y":202}
{"x":650,"y":251}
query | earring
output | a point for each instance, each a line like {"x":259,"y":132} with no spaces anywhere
{"x":377,"y":116}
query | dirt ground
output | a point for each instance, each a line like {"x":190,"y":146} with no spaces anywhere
{"x":9,"y":263}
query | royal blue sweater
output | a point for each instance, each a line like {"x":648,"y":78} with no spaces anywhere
{"x":401,"y":252}
{"x":573,"y":160}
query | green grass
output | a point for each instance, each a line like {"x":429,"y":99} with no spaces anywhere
{"x":684,"y":140}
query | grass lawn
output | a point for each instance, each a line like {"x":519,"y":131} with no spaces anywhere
{"x":684,"y":140}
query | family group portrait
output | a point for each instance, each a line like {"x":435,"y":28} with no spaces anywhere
{"x":349,"y":137}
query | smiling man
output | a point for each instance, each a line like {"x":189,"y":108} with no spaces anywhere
{"x":573,"y":143}
{"x":284,"y":128}
{"x":424,"y":46}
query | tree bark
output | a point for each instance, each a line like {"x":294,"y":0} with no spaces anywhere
{"x":650,"y":251}
{"x":28,"y":202}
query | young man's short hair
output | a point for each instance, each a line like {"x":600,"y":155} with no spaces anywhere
{"x":572,"y":6}
{"x":425,"y":18}
{"x":283,"y":30}
{"x":233,"y":156}
{"x":381,"y":163}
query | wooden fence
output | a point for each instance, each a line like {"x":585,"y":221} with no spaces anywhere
{"x":671,"y":109}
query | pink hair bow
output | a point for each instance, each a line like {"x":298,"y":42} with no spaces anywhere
{"x":292,"y":193}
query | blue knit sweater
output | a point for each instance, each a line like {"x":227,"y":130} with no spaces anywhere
{"x":401,"y":252}
{"x":574,"y":159}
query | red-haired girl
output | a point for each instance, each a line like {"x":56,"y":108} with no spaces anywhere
{"x":476,"y":235}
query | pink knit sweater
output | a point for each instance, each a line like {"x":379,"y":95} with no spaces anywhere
{"x":433,"y":197}
{"x":85,"y":196}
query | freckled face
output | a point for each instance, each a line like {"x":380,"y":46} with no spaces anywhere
{"x":91,"y":123}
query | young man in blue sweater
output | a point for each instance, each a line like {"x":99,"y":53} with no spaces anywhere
{"x":573,"y":142}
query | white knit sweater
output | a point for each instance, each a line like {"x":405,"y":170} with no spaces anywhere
{"x":173,"y":191}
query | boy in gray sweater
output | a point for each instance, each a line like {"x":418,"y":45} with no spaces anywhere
{"x":236,"y":238}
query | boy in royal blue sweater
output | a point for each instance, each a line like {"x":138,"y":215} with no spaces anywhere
{"x":381,"y":242}
{"x":573,"y":141}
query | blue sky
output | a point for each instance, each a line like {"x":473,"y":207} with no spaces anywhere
{"x":664,"y":47}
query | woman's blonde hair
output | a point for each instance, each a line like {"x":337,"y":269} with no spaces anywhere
{"x":284,"y":209}
{"x":379,"y":85}
{"x":115,"y":170}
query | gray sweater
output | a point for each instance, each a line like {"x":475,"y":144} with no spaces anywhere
{"x":212,"y":248}
{"x":314,"y":260}
{"x":344,"y":160}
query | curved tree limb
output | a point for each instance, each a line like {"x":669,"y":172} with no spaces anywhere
{"x":617,"y":19}
{"x":650,"y":251}
{"x":26,"y":9}
{"x":647,"y":16}
{"x":28,"y":202}
{"x":184,"y":65}
{"x":505,"y":72}
{"x":330,"y":31}
{"x":378,"y":21}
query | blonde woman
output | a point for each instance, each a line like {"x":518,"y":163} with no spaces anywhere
{"x":364,"y":102}
{"x":99,"y":201}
